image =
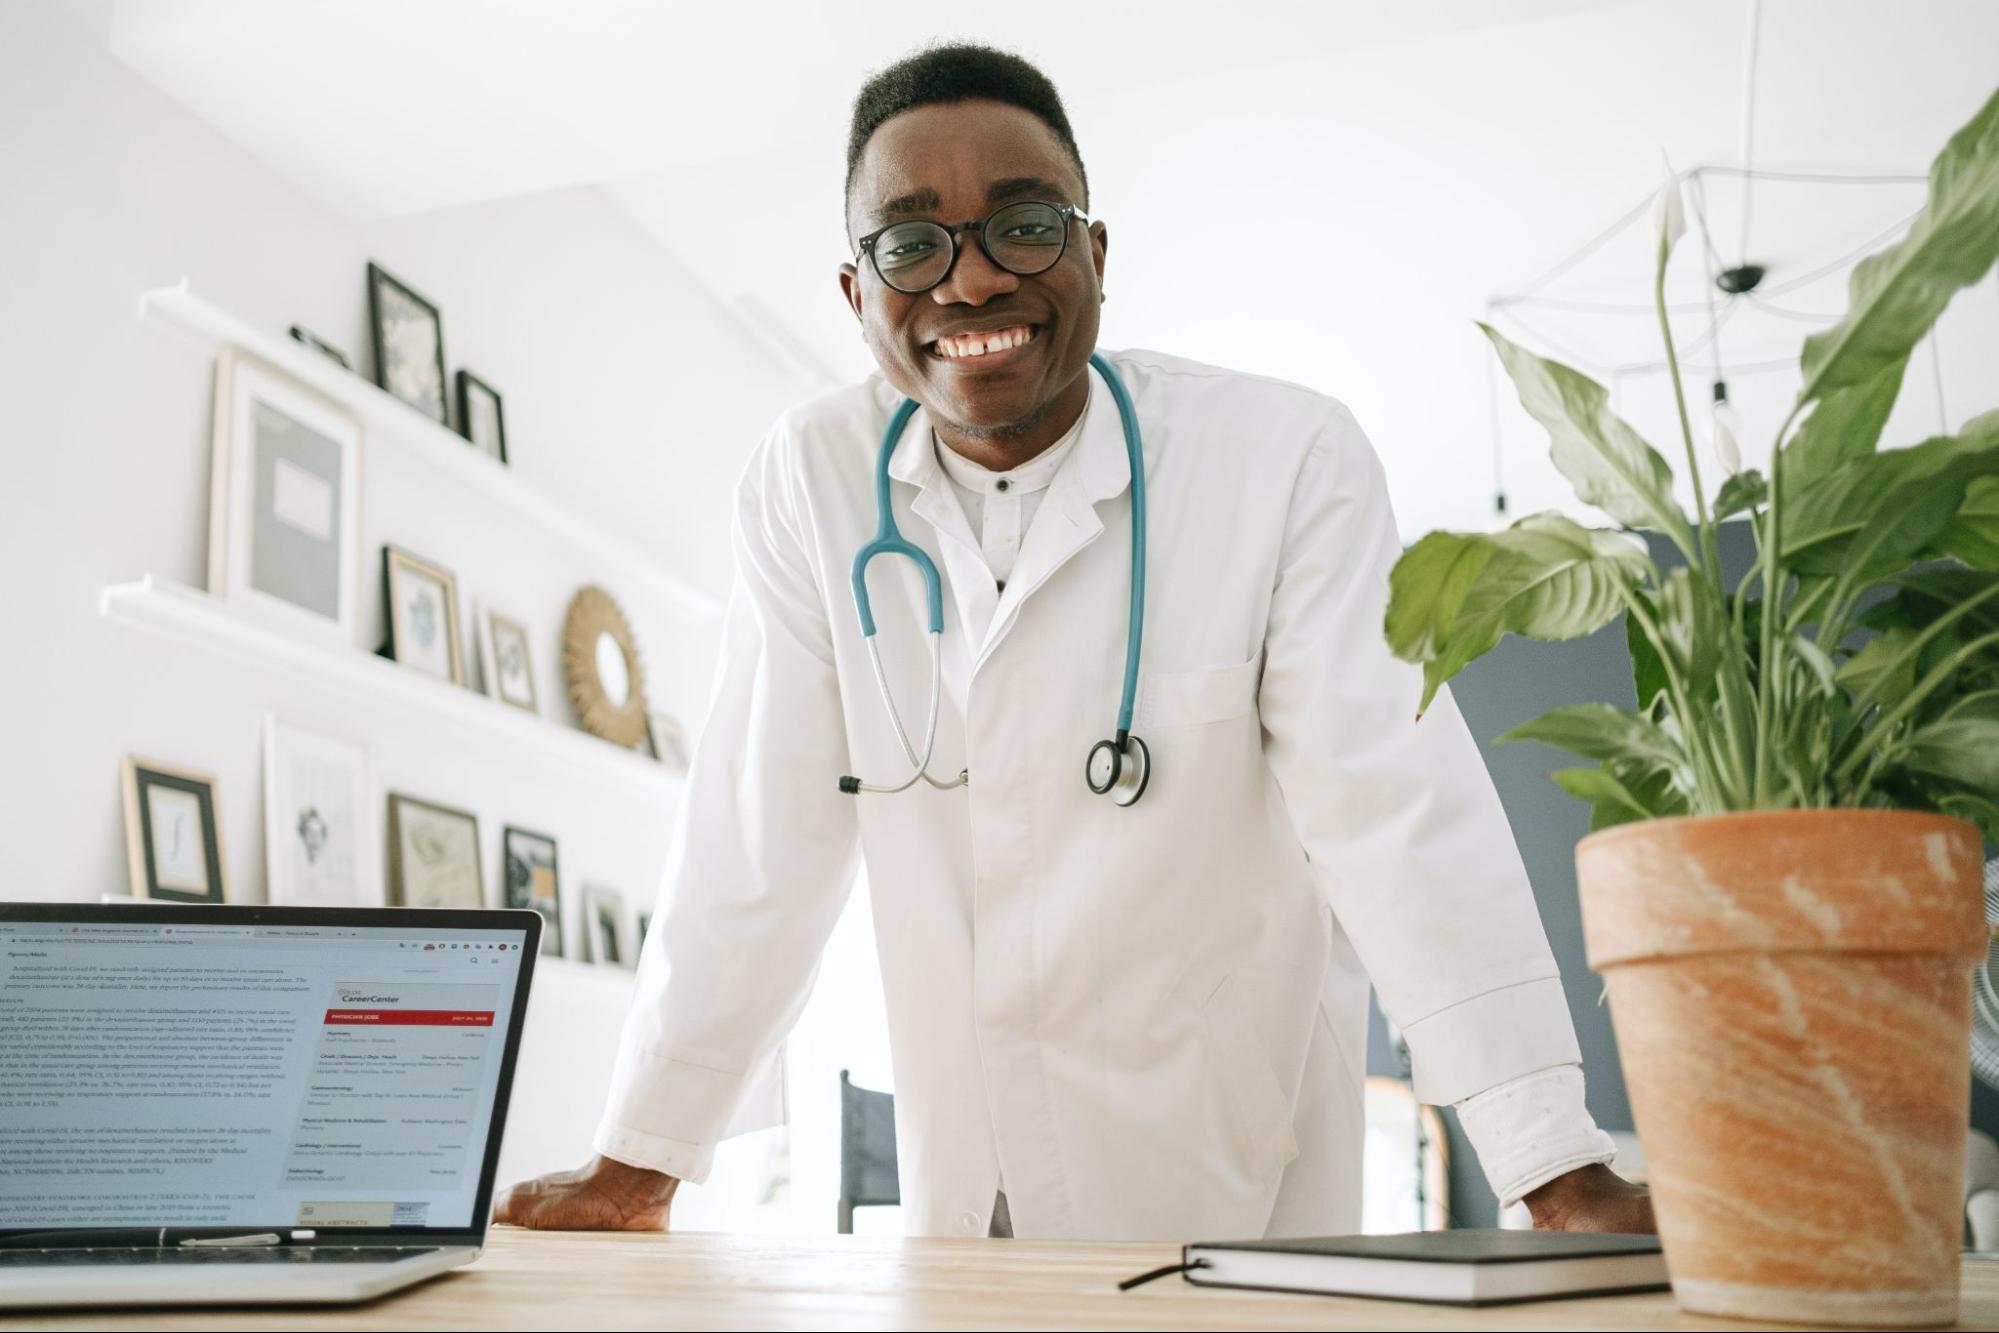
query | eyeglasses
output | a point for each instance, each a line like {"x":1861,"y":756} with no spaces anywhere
{"x":1024,"y":239}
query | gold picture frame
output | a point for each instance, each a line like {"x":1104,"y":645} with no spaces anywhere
{"x":422,"y":633}
{"x":600,"y":665}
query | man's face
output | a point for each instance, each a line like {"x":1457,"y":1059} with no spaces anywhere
{"x":953,"y":163}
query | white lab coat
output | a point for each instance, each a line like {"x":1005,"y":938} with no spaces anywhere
{"x":1149,"y":1022}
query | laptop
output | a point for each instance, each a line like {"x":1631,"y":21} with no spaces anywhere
{"x":247,"y":1105}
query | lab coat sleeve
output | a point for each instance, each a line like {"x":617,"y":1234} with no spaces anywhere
{"x":763,"y":858}
{"x":1404,"y":830}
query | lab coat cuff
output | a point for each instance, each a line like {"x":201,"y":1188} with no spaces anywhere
{"x":1531,"y":1129}
{"x":1489,"y":1039}
{"x":690,"y":1162}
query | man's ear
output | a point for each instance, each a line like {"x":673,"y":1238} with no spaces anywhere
{"x":1100,"y":244}
{"x":850,"y":288}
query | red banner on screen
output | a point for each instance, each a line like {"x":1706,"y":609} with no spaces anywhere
{"x":429,"y":1018}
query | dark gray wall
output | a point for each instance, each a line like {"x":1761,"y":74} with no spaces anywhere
{"x":1518,"y":680}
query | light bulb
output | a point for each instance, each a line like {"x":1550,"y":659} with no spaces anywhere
{"x":1723,"y":427}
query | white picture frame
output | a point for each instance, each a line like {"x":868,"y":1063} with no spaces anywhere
{"x":506,"y":660}
{"x":607,"y":928}
{"x":284,"y":526}
{"x":322,"y":845}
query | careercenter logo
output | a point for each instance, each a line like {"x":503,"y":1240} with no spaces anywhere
{"x":354,"y":995}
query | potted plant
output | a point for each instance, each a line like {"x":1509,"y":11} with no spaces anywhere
{"x":1781,"y":886}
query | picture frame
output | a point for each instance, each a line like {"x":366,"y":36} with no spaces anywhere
{"x":173,"y":833}
{"x":606,"y":927}
{"x":433,"y":855}
{"x":420,"y":602}
{"x":319,"y":825}
{"x":408,"y":336}
{"x":506,"y":661}
{"x":320,"y":345}
{"x":668,"y":740}
{"x":481,"y":417}
{"x":284,"y":519}
{"x":530,"y":880}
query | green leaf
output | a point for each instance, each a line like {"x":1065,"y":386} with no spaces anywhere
{"x":1648,"y":669}
{"x":1739,"y":493}
{"x":1844,"y":425}
{"x":1619,"y":793}
{"x":1962,"y":748}
{"x":1607,"y":462}
{"x":1884,"y":669}
{"x":1814,"y":657}
{"x":1695,"y":626}
{"x":1871,"y":516}
{"x":1426,"y":590}
{"x":1972,"y":535}
{"x":1545,"y":578}
{"x":1897,"y":294}
{"x":1979,"y":809}
{"x":1598,"y":731}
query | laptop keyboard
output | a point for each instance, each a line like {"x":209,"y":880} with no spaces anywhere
{"x":243,"y":1254}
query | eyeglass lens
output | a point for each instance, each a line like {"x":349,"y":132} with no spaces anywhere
{"x":1024,"y":239}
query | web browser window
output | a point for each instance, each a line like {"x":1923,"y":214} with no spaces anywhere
{"x":266,"y":1076}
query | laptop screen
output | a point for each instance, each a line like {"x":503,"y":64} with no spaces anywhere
{"x":256,"y":1068}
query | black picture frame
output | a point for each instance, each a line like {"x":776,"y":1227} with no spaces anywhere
{"x":468,"y":385}
{"x":141,"y":774}
{"x":514,"y":888}
{"x":379,"y":280}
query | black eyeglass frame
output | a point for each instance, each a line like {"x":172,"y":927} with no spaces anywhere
{"x":866,"y":245}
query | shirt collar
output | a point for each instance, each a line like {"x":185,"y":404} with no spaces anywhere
{"x":1099,"y":451}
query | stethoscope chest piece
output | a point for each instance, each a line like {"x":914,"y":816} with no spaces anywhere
{"x":1119,"y":772}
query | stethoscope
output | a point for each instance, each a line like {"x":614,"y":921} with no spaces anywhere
{"x":1118,"y":767}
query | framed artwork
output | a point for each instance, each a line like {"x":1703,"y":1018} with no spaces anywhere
{"x":320,"y":345}
{"x":600,"y":664}
{"x":319,"y":827}
{"x":531,"y":882}
{"x":604,"y":924}
{"x":409,"y":344}
{"x":505,"y":663}
{"x":433,"y":855}
{"x":173,"y":835}
{"x":668,"y":740}
{"x":284,"y":519}
{"x":480,"y":419}
{"x":422,"y":603}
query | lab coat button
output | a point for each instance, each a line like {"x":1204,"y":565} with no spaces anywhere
{"x":970,"y":1222}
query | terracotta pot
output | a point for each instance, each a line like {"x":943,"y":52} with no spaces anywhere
{"x":1792,"y":998}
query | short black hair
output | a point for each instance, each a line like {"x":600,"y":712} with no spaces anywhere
{"x":958,"y":72}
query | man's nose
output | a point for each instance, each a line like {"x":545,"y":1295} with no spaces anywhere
{"x":974,"y":279}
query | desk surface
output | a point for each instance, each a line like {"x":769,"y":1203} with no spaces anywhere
{"x":536,"y":1280}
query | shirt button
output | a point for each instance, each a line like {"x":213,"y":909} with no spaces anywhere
{"x":1003,"y":483}
{"x":970,"y":1222}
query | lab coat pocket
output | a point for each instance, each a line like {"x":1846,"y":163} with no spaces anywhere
{"x":1190,"y":698}
{"x":1258,"y":1114}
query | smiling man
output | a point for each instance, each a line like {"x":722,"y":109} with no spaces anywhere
{"x":1129,"y":889}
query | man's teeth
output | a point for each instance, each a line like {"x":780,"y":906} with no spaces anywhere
{"x":978,"y":344}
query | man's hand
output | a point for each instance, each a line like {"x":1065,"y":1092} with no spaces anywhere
{"x":603,"y":1196}
{"x":1591,"y":1198}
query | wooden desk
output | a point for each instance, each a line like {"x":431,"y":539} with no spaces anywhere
{"x":535,"y":1280}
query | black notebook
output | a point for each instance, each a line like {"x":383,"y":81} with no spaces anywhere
{"x":1466,"y":1267}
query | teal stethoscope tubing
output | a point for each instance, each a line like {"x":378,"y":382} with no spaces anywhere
{"x":888,"y":540}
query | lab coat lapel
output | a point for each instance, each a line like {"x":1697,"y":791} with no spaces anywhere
{"x":969,"y":581}
{"x":1067,"y":521}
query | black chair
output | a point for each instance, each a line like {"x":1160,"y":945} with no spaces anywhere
{"x":867,"y":1151}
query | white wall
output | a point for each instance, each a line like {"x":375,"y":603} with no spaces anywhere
{"x":631,"y":396}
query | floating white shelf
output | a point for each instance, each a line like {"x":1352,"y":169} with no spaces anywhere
{"x":387,"y":421}
{"x":181,"y":612}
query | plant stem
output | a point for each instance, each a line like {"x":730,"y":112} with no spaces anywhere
{"x":1924,"y":688}
{"x":1692,"y":734}
{"x":1766,"y":675}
